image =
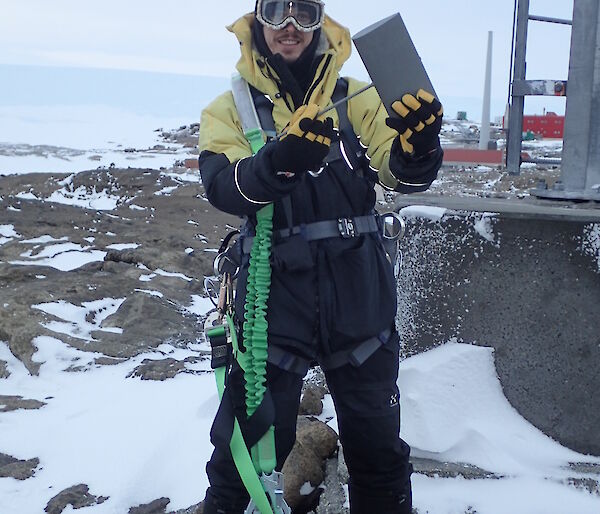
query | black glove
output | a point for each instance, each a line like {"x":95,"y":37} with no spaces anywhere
{"x":419,"y":123}
{"x":305,"y":142}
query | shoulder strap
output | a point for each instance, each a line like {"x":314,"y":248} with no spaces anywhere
{"x":247,"y":112}
{"x":264,"y":109}
{"x":353,"y":150}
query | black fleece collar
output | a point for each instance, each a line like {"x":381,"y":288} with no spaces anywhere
{"x":297,"y":76}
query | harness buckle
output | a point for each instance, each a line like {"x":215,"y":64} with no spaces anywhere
{"x":220,"y":344}
{"x":273,"y":486}
{"x":346,"y":228}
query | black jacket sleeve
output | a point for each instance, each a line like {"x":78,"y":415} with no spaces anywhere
{"x":414,"y":176}
{"x":245,"y":186}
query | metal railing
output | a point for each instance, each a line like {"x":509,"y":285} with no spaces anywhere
{"x":580,"y":163}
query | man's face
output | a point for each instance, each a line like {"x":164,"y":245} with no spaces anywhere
{"x":288,"y":41}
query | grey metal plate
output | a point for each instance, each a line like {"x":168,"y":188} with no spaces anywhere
{"x":392,"y":61}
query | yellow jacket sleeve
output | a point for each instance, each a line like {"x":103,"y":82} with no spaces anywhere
{"x":221,"y":130}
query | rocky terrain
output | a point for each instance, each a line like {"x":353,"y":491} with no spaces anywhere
{"x":129,"y":249}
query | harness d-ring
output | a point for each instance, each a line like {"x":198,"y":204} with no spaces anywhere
{"x":317,"y":173}
{"x":399,"y":234}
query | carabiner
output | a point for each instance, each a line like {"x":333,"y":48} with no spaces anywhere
{"x":273,"y":486}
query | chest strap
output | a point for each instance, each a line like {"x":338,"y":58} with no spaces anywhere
{"x":345,"y":228}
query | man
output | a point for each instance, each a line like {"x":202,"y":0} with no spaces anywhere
{"x":332,"y":299}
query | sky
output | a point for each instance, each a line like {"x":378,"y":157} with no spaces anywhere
{"x":188,"y":37}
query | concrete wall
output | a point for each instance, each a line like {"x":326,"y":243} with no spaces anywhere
{"x":525,"y":281}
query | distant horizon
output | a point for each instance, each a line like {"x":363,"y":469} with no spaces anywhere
{"x":31,"y":84}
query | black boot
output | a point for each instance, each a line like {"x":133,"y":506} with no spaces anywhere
{"x":212,"y":505}
{"x":363,"y":502}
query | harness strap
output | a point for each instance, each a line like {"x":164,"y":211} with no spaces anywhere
{"x":264,"y":109}
{"x":342,"y":227}
{"x":220,"y":336}
{"x":360,"y":353}
{"x":354,"y":152}
{"x":288,"y":361}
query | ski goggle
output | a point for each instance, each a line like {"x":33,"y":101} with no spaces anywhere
{"x":305,"y":15}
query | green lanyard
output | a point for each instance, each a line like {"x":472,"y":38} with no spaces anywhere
{"x":262,"y":458}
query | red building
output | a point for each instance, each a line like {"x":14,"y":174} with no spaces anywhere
{"x":548,"y":126}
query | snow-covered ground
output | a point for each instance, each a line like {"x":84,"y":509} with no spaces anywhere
{"x":63,"y":139}
{"x":73,"y":119}
{"x":136,"y":440}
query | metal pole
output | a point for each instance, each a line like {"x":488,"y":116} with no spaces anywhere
{"x":515,"y":117}
{"x":581,"y":152}
{"x":550,"y":20}
{"x":484,"y":133}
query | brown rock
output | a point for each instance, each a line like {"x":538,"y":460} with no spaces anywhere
{"x":78,"y":496}
{"x":318,"y":436}
{"x":162,"y":369}
{"x":10,"y":403}
{"x":302,"y":465}
{"x":311,"y":403}
{"x":17,"y":469}
{"x":315,"y":441}
{"x":158,"y":506}
{"x":4,"y":373}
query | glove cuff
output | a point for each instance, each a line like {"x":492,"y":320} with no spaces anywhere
{"x":407,"y":158}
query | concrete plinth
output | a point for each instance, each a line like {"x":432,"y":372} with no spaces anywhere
{"x":526,"y":281}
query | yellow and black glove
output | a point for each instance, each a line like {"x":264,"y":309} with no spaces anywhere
{"x":419,"y":123}
{"x":305,"y":143}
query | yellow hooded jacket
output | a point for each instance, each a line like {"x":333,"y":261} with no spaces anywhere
{"x":220,"y":128}
{"x":342,"y":285}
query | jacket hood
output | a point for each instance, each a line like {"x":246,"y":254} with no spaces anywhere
{"x":251,"y":65}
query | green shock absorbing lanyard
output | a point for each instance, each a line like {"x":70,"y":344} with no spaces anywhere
{"x":254,"y":360}
{"x":262,"y":458}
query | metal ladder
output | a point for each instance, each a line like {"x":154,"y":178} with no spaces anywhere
{"x":580,"y":171}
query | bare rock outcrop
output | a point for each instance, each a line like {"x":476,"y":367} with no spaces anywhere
{"x":78,"y":496}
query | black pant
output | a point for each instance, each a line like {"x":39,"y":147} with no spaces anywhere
{"x":367,"y":404}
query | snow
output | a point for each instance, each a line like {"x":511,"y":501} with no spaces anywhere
{"x":7,"y":234}
{"x":166,"y":191}
{"x":521,"y":495}
{"x":135,"y":440}
{"x":26,"y":196}
{"x":64,"y":256}
{"x":454,"y":410}
{"x":55,"y":249}
{"x":126,"y":438}
{"x":72,"y":138}
{"x":150,"y":292}
{"x":175,"y":275}
{"x":66,"y":261}
{"x":75,"y":318}
{"x":43,"y":239}
{"x":199,"y":305}
{"x":8,"y":231}
{"x":591,"y":242}
{"x":423,"y":211}
{"x":123,"y":246}
{"x":484,"y":226}
{"x":81,"y":197}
